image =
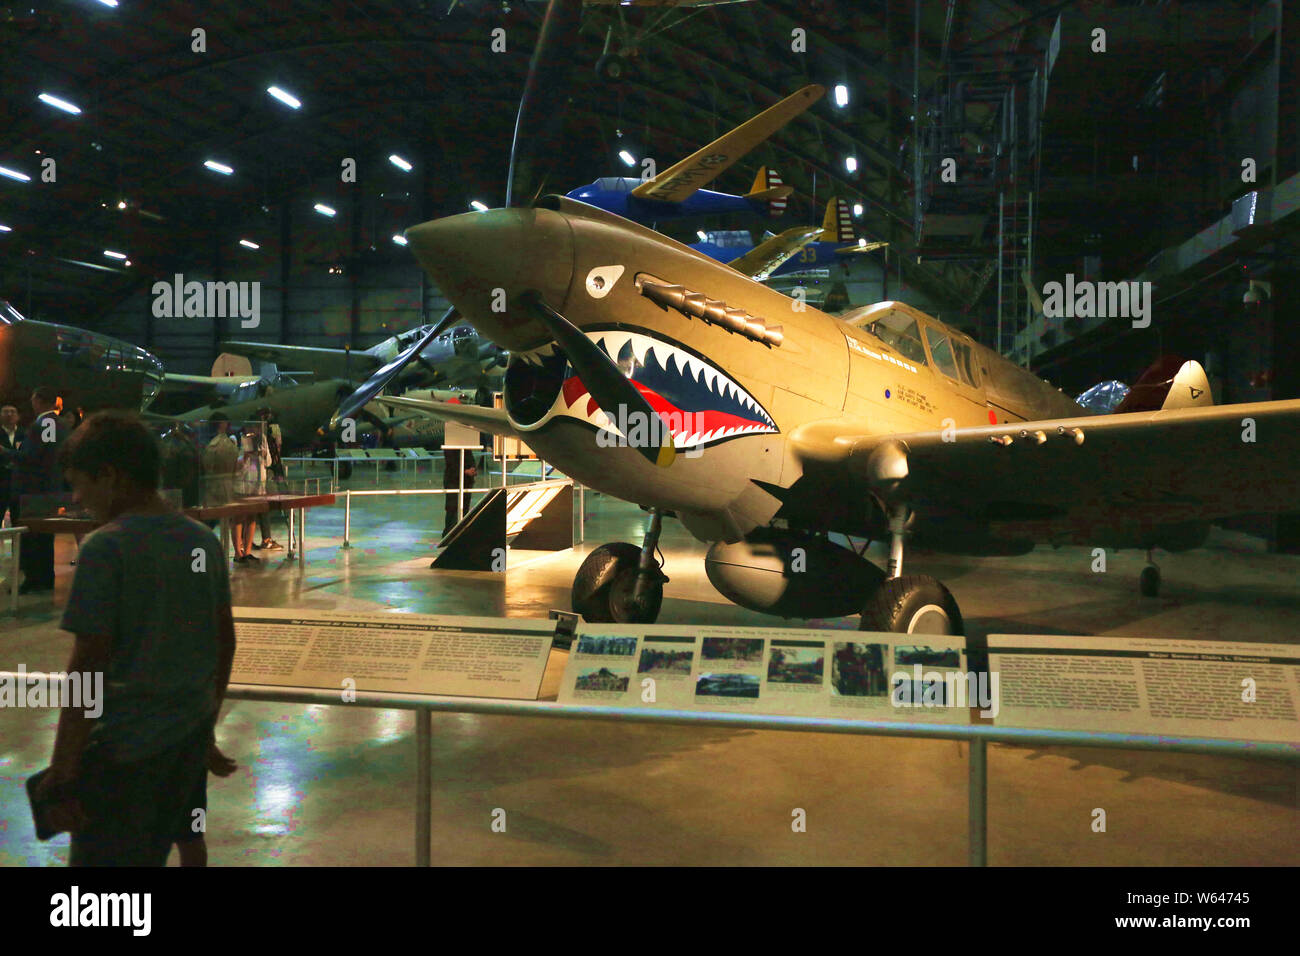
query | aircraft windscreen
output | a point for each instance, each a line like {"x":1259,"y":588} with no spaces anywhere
{"x":941,"y":352}
{"x":899,"y":331}
{"x":617,"y":184}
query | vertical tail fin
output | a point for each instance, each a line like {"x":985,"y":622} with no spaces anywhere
{"x":769,"y":189}
{"x":837,"y":224}
{"x":1169,"y":383}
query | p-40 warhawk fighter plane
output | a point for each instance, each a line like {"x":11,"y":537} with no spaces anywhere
{"x":884,"y":426}
{"x":798,"y":424}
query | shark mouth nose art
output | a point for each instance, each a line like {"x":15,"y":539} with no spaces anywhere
{"x":697,"y":401}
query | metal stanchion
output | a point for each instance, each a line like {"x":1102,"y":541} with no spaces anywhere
{"x":423,"y":785}
{"x":979,"y":803}
{"x":302,"y":538}
{"x":582,"y":513}
{"x":460,"y":499}
{"x":347,"y":518}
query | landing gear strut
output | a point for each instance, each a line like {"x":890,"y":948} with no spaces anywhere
{"x":916,"y":604}
{"x":1149,"y":582}
{"x":620,"y":583}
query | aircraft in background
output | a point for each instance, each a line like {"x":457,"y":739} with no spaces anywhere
{"x":677,"y":192}
{"x":456,"y":356}
{"x":835,"y":240}
{"x":618,"y":194}
{"x":89,"y":370}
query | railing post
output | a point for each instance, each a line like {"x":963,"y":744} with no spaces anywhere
{"x":347,"y":518}
{"x":979,"y":803}
{"x":423,"y":784}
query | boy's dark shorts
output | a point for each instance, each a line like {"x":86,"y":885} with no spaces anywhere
{"x":136,"y":811}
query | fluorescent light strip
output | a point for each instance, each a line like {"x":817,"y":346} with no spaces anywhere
{"x":4,"y":228}
{"x":248,"y":244}
{"x":288,"y":99}
{"x":323,"y":209}
{"x":114,"y":255}
{"x":627,"y":157}
{"x":400,"y":163}
{"x":217,"y":167}
{"x":479,"y":206}
{"x":59,"y":104}
{"x":400,"y":240}
{"x":14,"y":174}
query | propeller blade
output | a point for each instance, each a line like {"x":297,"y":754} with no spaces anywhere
{"x":604,"y":380}
{"x":379,"y":381}
{"x":541,"y":107}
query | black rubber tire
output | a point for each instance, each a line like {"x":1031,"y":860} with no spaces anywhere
{"x":1149,"y":581}
{"x":603,"y":585}
{"x":896,"y":607}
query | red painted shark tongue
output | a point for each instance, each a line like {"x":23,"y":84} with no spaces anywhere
{"x":707,"y":421}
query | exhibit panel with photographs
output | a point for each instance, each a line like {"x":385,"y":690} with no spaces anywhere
{"x":782,"y":671}
{"x":392,"y":652}
{"x":1135,"y":685}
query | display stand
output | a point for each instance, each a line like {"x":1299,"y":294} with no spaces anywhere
{"x":478,"y":539}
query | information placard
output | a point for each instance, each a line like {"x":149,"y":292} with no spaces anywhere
{"x":764,"y":670}
{"x":392,"y":651}
{"x":1140,"y":685}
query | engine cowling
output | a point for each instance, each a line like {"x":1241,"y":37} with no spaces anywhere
{"x":791,"y":575}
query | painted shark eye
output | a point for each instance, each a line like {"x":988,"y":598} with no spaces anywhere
{"x":601,"y":279}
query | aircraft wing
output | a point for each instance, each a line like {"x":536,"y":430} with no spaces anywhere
{"x":774,"y":251}
{"x":178,"y":379}
{"x":325,"y":363}
{"x":490,"y":420}
{"x":678,"y":182}
{"x":863,"y":247}
{"x":1084,"y":474}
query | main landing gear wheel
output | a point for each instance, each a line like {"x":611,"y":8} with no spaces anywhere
{"x":604,"y":587}
{"x":915,"y":604}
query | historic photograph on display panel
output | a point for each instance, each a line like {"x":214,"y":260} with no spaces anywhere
{"x":907,"y":655}
{"x":603,"y":680}
{"x":667,"y":657}
{"x":859,"y":670}
{"x":600,"y":644}
{"x":798,"y":666}
{"x":739,"y":651}
{"x":726,"y":686}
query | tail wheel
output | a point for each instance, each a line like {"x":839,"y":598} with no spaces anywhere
{"x":604,"y":585}
{"x":914,"y":604}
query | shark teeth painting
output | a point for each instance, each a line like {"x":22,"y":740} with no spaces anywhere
{"x":699,"y":402}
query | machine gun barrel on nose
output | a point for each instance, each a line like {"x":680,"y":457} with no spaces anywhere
{"x":714,"y":311}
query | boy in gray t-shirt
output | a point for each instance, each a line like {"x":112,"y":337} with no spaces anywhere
{"x":150,"y":608}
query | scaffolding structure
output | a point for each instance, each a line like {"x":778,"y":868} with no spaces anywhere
{"x":978,"y":173}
